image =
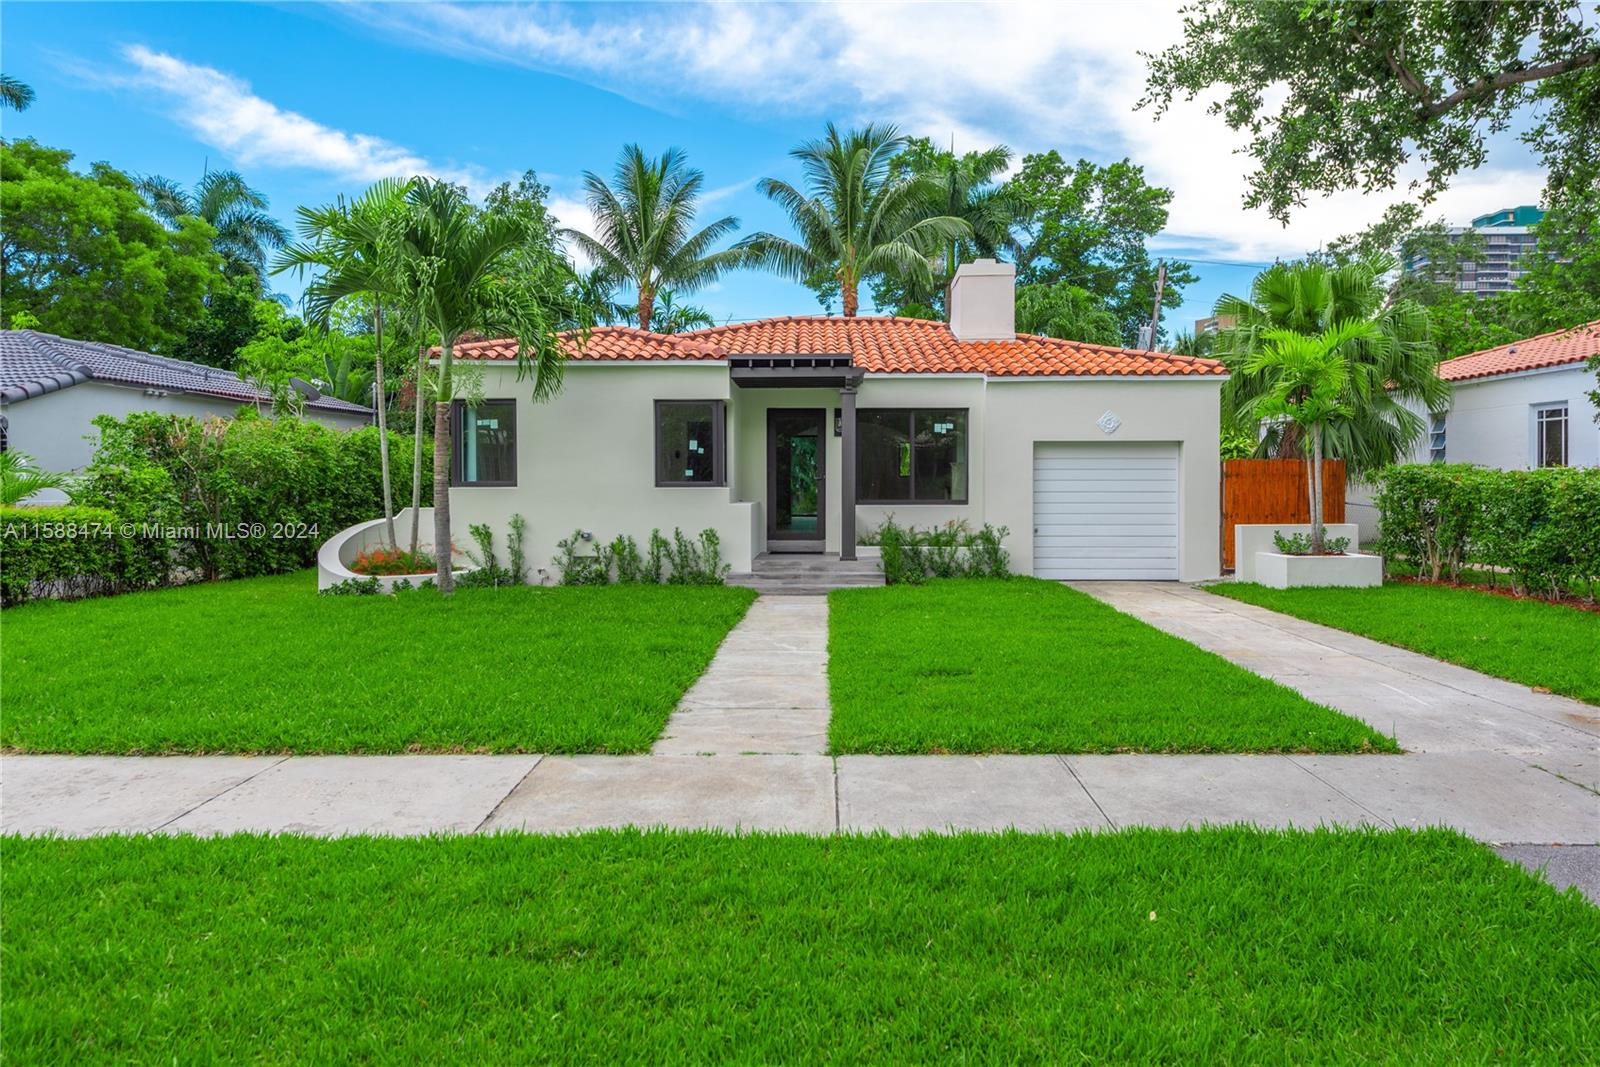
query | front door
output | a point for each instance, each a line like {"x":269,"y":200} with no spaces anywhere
{"x":796,"y":449}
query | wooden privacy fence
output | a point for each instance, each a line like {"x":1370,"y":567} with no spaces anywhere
{"x":1274,"y":490}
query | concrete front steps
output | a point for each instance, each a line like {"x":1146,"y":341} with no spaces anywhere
{"x":807,"y":574}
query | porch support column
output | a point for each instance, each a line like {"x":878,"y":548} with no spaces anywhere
{"x":847,"y":481}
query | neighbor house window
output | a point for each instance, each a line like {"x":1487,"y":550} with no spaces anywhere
{"x":1550,"y":435}
{"x":484,"y":436}
{"x":1436,"y":438}
{"x":691,"y":442}
{"x":911,"y":455}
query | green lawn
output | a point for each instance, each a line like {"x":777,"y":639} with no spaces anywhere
{"x":267,"y":665}
{"x":1030,"y":666}
{"x":1219,"y":946}
{"x":1537,"y":644}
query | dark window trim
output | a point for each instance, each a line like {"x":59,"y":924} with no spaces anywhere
{"x":911,"y":416}
{"x":719,"y":445}
{"x":458,"y":451}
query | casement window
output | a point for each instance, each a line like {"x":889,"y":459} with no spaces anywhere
{"x":1436,"y":438}
{"x":1550,"y":435}
{"x":911,"y":455}
{"x":483,"y":437}
{"x":691,"y":442}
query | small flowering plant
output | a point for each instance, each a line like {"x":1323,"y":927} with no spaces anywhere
{"x":387,"y":561}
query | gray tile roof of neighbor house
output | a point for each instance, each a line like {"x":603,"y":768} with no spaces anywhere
{"x":34,"y":363}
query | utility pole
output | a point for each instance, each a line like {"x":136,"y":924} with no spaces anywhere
{"x":1155,"y":314}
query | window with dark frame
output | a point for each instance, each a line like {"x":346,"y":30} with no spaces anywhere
{"x":484,"y":443}
{"x":911,"y":456}
{"x":1550,"y":435}
{"x":691,"y":442}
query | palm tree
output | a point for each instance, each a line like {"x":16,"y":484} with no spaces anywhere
{"x":1304,"y":380}
{"x":20,"y":479}
{"x":464,"y":270}
{"x":1395,"y":363}
{"x":345,"y":240}
{"x":966,"y":190}
{"x":245,"y":232}
{"x":860,"y":216}
{"x":673,"y":317}
{"x":15,"y":94}
{"x":643,"y":227}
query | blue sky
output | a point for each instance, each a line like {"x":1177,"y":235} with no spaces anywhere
{"x":309,"y":101}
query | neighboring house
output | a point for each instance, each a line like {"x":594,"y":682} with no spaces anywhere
{"x":1516,"y":407}
{"x":52,"y":387}
{"x":1102,"y":462}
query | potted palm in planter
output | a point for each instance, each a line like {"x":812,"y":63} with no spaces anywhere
{"x":1307,"y":377}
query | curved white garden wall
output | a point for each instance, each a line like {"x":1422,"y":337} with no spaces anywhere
{"x":340,"y":551}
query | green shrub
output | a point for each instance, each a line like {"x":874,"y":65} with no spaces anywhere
{"x":357,"y":587}
{"x":655,"y":565}
{"x":1542,"y":527}
{"x":578,"y":569}
{"x":245,"y":496}
{"x":910,"y":556}
{"x":631,"y":568}
{"x":76,"y":551}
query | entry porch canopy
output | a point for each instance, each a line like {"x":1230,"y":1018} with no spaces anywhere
{"x":823,"y":371}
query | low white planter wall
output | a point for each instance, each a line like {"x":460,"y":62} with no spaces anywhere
{"x":1352,"y":570}
{"x":1252,"y":538}
{"x":340,"y":550}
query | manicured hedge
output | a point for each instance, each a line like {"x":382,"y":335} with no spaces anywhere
{"x":219,"y":498}
{"x":1542,"y":526}
{"x":74,"y":551}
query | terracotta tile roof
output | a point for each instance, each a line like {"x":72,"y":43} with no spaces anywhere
{"x":877,"y":344}
{"x":1552,"y":349}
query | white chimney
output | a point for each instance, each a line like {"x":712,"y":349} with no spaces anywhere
{"x":983,"y":301}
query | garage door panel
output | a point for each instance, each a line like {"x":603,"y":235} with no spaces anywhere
{"x":1105,"y":511}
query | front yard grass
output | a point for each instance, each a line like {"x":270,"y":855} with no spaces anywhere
{"x":1218,"y":946}
{"x":267,"y":665}
{"x":1030,"y":666}
{"x":1549,"y":646}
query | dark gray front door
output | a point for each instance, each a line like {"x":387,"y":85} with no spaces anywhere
{"x":797,"y":445}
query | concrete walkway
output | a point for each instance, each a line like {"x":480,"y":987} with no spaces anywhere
{"x":766,"y":691}
{"x":1493,"y":759}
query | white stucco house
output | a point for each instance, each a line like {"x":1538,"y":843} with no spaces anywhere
{"x":51,"y":388}
{"x":1518,"y":406}
{"x":797,"y":434}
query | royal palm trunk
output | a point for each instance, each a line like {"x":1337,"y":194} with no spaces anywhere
{"x":381,"y":399}
{"x":1316,"y":490}
{"x":416,"y":450}
{"x":443,"y":573}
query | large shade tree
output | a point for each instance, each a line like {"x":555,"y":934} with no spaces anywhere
{"x":1337,"y":95}
{"x":1393,"y":363}
{"x":644,"y":228}
{"x":246,"y":233}
{"x":344,"y":243}
{"x":859,"y":217}
{"x":461,"y":270}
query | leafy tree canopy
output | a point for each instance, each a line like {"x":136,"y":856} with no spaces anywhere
{"x":1067,"y":311}
{"x":82,"y":255}
{"x":1088,"y":225}
{"x":1340,"y":95}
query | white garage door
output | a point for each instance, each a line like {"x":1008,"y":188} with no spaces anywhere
{"x":1105,"y":511}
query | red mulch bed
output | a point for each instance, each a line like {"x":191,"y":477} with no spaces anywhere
{"x":1576,"y":603}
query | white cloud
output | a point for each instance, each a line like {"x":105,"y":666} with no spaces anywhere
{"x":224,"y":112}
{"x":1033,"y":75}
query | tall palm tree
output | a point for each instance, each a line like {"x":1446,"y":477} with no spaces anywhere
{"x":345,"y":241}
{"x":463,"y":271}
{"x":644,"y":225}
{"x":1304,"y":379}
{"x":966,"y":189}
{"x":1395,"y":363}
{"x":245,"y":232}
{"x":15,"y":94}
{"x":860,"y":216}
